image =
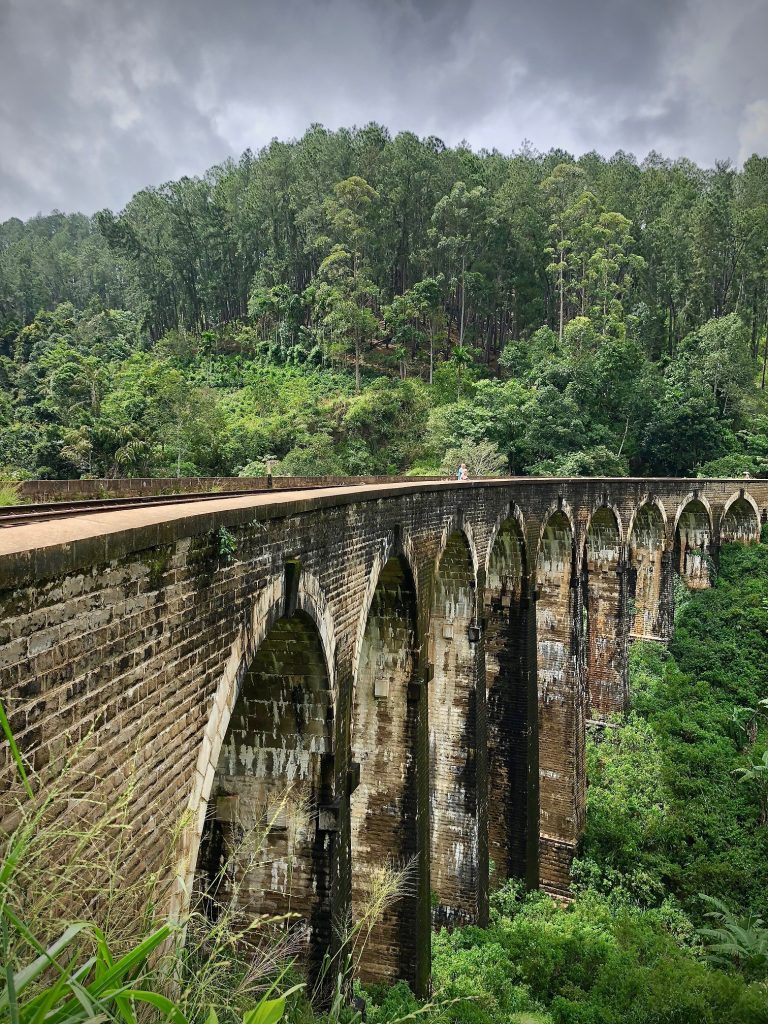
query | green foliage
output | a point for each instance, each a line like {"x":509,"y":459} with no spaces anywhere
{"x":614,"y":310}
{"x":734,"y":465}
{"x":597,"y":461}
{"x":732,"y":940}
{"x":9,"y":492}
{"x":756,"y":775}
{"x":226,"y":543}
{"x":676,"y":818}
{"x":483,"y":459}
{"x":80,"y":990}
{"x":311,"y":456}
{"x":602,"y":959}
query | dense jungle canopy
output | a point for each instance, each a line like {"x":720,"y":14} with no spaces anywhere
{"x":354,"y":302}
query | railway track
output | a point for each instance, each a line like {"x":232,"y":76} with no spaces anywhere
{"x":16,"y":515}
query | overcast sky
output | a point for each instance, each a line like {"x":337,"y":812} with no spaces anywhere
{"x":99,"y":98}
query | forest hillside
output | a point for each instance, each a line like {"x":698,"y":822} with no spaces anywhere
{"x":353,"y":302}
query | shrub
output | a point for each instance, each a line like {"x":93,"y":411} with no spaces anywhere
{"x":600,"y":960}
{"x":483,"y":459}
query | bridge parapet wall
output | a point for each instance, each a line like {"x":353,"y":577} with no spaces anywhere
{"x":41,"y":491}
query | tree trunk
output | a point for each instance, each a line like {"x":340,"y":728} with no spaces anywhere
{"x":562,"y":292}
{"x":754,"y":325}
{"x":461,"y":325}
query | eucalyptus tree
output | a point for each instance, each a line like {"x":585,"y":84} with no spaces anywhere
{"x":457,"y":232}
{"x":561,"y":188}
{"x":347,"y":293}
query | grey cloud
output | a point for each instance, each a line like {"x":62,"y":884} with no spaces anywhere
{"x":101,"y":97}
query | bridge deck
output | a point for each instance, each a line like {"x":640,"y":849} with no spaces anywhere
{"x":71,"y":526}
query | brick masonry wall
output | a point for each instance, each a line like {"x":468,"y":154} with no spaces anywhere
{"x":452,"y":743}
{"x":507,"y":674}
{"x":268,"y":785}
{"x":44,"y":491}
{"x":606,"y":634}
{"x":384,"y":804}
{"x":561,"y":700}
{"x":139,"y":640}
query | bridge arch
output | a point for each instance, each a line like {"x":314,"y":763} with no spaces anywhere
{"x":646,"y":554}
{"x":286,"y":651}
{"x":740,"y":520}
{"x":397,"y":543}
{"x":384,"y":738}
{"x":560,"y":699}
{"x":457,"y":524}
{"x":562,"y":508}
{"x":604,"y":601}
{"x":509,"y":703}
{"x":514,"y":512}
{"x":693,"y":541}
{"x":600,"y":514}
{"x":649,"y":505}
{"x":452,"y":715}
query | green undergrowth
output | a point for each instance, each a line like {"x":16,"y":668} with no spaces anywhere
{"x":667,"y":814}
{"x":602,"y":960}
{"x":674,"y":819}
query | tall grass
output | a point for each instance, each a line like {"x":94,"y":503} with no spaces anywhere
{"x":385,"y":886}
{"x":65,"y":849}
{"x":9,"y":493}
{"x":229,"y":956}
{"x":56,"y":973}
{"x":84,"y":939}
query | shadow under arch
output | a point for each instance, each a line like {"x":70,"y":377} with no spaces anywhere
{"x":265,"y":764}
{"x":560,"y":701}
{"x":740,"y":520}
{"x":647,"y":557}
{"x":271,"y":777}
{"x":603,"y":602}
{"x":384,"y":806}
{"x":452,"y":715}
{"x":511,"y":707}
{"x":692,"y":558}
{"x":396,"y":544}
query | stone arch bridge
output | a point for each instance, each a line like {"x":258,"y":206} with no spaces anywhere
{"x":389,"y":674}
